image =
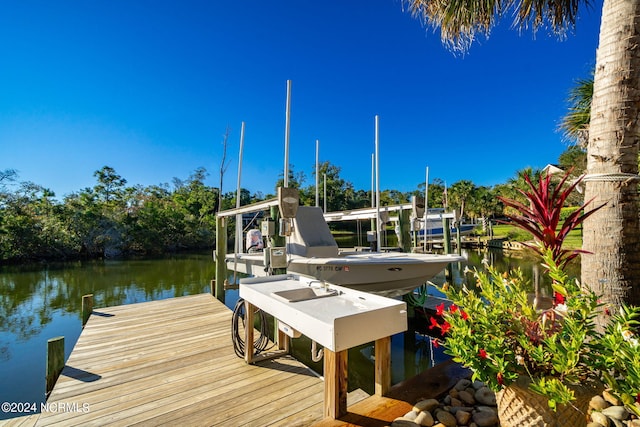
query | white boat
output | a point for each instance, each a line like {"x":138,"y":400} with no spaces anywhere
{"x":312,"y":251}
{"x":434,"y":228}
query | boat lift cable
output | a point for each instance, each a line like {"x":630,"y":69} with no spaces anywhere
{"x":260,"y":344}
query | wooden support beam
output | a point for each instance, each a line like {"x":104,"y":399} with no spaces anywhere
{"x":335,"y":383}
{"x":248,"y":332}
{"x":55,"y":362}
{"x":87,"y":308}
{"x":220,"y":254}
{"x":382,"y":366}
{"x":283,"y":341}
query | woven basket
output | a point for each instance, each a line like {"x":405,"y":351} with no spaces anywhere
{"x":520,"y":407}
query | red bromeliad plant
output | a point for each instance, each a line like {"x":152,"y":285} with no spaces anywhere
{"x":495,"y":330}
{"x":542,"y":217}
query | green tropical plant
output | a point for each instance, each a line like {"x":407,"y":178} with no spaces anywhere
{"x":611,"y":235}
{"x":621,"y":345}
{"x":575,"y":124}
{"x":542,"y":217}
{"x":504,"y":335}
{"x":499,"y":334}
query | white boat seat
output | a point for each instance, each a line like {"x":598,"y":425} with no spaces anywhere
{"x":311,"y":236}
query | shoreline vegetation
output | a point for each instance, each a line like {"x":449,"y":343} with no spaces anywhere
{"x":112,"y":220}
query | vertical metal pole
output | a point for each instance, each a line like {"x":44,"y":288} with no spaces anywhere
{"x":378,"y":225}
{"x":373,"y":188}
{"x":286,"y":135}
{"x":239,"y":224}
{"x":373,"y":182}
{"x":317,"y":173}
{"x":426,"y":207}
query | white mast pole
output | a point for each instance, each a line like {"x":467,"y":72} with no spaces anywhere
{"x":373,"y":174}
{"x":239,"y":224}
{"x":286,"y":134}
{"x":317,"y":173}
{"x":378,"y":235}
{"x":426,"y":207}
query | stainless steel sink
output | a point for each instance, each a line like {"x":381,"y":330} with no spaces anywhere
{"x":304,"y":294}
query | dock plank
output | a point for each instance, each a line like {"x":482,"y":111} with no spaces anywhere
{"x":172,"y":362}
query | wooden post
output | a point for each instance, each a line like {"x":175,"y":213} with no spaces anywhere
{"x":248,"y":332}
{"x":220,"y":253}
{"x":87,"y":308}
{"x":446,"y":235}
{"x":55,"y":361}
{"x":383,"y":366}
{"x":335,"y":383}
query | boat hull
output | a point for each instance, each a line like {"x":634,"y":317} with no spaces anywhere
{"x":388,"y":274}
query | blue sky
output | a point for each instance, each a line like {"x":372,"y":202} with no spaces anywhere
{"x":149,"y":87}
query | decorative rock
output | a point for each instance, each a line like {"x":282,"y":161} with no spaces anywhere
{"x":477,"y":385}
{"x":424,"y":419}
{"x":402,"y":422}
{"x":485,"y":418}
{"x":454,"y":409}
{"x":446,"y":418}
{"x":485,"y":396}
{"x":611,"y":398}
{"x":616,"y":412}
{"x":462,"y":384}
{"x":456,"y":402}
{"x":426,"y":405}
{"x":453,"y":392}
{"x":467,"y":398}
{"x":411,"y":415}
{"x":598,"y":403}
{"x":447,"y":399}
{"x":463,"y":417}
{"x":600,"y":418}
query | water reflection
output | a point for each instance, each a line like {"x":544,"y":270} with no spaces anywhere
{"x":29,"y":295}
{"x":39,"y":302}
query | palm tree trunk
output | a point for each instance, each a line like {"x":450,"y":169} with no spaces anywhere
{"x":612,"y":235}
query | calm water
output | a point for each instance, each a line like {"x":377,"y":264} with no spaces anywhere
{"x":44,"y":301}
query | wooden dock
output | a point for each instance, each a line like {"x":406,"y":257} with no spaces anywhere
{"x":171,"y":362}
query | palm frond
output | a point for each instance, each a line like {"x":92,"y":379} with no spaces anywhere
{"x":575,"y":124}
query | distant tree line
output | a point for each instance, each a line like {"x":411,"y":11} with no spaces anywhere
{"x":112,"y":219}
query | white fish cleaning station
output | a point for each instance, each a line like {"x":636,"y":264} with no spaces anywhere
{"x":335,"y":317}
